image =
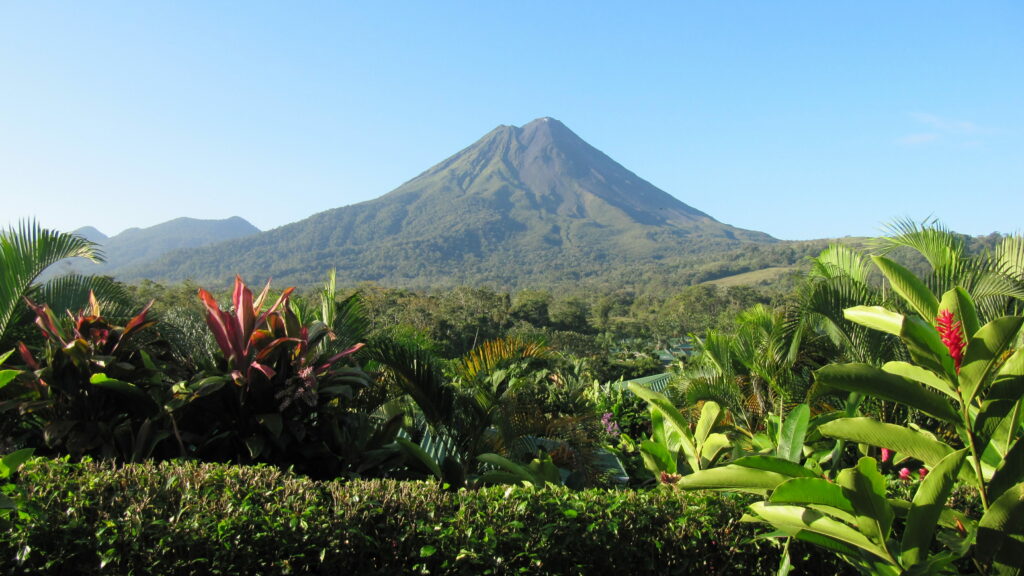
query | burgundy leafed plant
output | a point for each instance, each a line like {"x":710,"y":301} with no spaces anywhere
{"x":237,"y":335}
{"x":952,"y":336}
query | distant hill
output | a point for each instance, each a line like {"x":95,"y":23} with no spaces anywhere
{"x":532,"y":205}
{"x":91,"y":234}
{"x":139,"y":244}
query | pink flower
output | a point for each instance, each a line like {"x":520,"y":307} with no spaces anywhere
{"x":922,"y":472}
{"x":904,"y":473}
{"x":886,"y":454}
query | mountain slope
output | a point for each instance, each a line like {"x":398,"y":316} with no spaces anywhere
{"x":135,"y":245}
{"x":530,"y":205}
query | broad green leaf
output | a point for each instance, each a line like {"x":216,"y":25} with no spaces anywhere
{"x":816,"y":491}
{"x":1013,"y":368}
{"x":10,"y":463}
{"x":864,"y":486}
{"x":902,"y":440}
{"x":927,"y":507}
{"x":791,"y":436}
{"x":841,"y":548}
{"x":710,"y":414}
{"x":775,"y":464}
{"x":143,"y":400}
{"x":996,"y":422}
{"x":925,"y":346}
{"x":414,"y":450}
{"x":959,"y":302}
{"x":7,"y":375}
{"x":714,"y":448}
{"x":545,"y":471}
{"x":660,"y":457}
{"x":795,"y":519}
{"x":876,"y":382}
{"x":658,"y":426}
{"x":1010,"y":472}
{"x":732,"y":477}
{"x":909,"y":286}
{"x":985,"y":353}
{"x":502,"y":462}
{"x":876,"y":318}
{"x":672,"y":416}
{"x":150,"y":434}
{"x":1005,"y":515}
{"x":918,"y":374}
{"x":208,"y":386}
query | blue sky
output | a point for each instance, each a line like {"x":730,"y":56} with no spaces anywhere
{"x":803,"y":120}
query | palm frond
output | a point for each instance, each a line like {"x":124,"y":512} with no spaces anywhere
{"x":71,"y":292}
{"x":349,"y":322}
{"x":25,"y":252}
{"x":938,"y":244}
{"x":1009,"y":258}
{"x":493,"y":354}
{"x":841,"y":260}
{"x":418,"y":374}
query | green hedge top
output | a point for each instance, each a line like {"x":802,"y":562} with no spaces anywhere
{"x":192,"y":518}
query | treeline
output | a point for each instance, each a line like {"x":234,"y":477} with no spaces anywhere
{"x":453,"y":321}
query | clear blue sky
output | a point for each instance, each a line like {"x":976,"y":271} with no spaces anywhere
{"x":803,"y":120}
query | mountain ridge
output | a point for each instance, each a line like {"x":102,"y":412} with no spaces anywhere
{"x":134,"y":245}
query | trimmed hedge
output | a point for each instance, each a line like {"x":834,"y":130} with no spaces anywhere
{"x":192,"y":518}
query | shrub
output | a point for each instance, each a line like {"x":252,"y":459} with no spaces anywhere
{"x":192,"y":518}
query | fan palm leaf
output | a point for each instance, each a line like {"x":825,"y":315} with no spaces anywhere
{"x":994,"y":280}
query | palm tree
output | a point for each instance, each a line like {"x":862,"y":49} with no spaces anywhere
{"x":841,"y":277}
{"x":27,"y":250}
{"x":749,"y":370}
{"x":485,"y":401}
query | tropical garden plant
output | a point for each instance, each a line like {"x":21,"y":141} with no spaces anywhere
{"x":280,"y":392}
{"x":963,"y":376}
{"x":77,"y":396}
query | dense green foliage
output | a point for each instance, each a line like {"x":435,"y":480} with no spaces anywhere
{"x":212,"y":519}
{"x":791,"y":398}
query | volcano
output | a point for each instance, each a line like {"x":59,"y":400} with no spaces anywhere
{"x":529,"y":205}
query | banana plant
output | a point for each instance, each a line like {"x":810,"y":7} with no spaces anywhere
{"x":673,"y":448}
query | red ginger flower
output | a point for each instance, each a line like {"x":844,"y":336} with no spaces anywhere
{"x":952,"y":336}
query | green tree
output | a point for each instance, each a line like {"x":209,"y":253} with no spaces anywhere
{"x":532,"y":306}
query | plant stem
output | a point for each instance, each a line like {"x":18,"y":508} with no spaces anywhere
{"x":975,"y":457}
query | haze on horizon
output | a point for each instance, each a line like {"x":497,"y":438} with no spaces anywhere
{"x":802,"y":120}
